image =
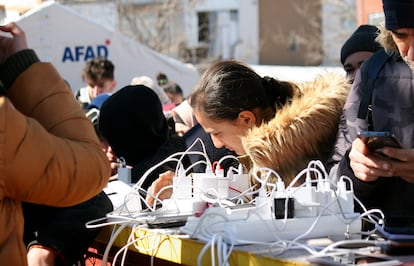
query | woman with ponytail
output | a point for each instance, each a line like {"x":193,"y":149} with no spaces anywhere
{"x":270,"y":123}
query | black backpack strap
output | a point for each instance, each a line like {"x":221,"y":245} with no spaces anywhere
{"x":372,"y":67}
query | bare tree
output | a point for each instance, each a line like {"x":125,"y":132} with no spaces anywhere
{"x":337,"y":27}
{"x":153,"y":24}
{"x":302,"y":38}
{"x":318,"y":37}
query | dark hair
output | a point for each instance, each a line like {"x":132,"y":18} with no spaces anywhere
{"x":173,"y":88}
{"x":98,"y":68}
{"x":162,"y":78}
{"x":133,"y":123}
{"x":229,"y":87}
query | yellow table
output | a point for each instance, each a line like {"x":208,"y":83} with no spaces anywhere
{"x":168,"y":247}
{"x":179,"y":249}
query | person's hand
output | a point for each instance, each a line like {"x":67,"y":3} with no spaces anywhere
{"x":165,"y":179}
{"x":114,"y":168}
{"x":403,"y":163}
{"x":13,"y":44}
{"x":368,"y":166}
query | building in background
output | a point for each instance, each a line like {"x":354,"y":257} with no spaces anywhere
{"x":12,"y":9}
{"x":369,"y":12}
{"x":67,"y":39}
{"x":262,"y":32}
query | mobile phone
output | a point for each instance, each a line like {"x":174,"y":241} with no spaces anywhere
{"x":166,"y":219}
{"x":376,"y":140}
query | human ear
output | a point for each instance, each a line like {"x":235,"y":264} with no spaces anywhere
{"x":247,"y":118}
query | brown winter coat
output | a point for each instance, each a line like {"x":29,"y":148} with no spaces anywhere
{"x":49,"y":153}
{"x":302,"y":131}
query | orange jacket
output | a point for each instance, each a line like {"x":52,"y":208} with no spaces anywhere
{"x":49,"y":153}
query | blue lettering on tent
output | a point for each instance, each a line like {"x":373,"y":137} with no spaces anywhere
{"x":67,"y":55}
{"x":89,"y":53}
{"x":78,"y":52}
{"x":84,"y":53}
{"x":102,"y":50}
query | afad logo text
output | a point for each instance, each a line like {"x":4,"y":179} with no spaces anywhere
{"x":85,"y":52}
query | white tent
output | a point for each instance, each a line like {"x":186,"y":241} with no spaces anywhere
{"x":65,"y":38}
{"x":295,"y":73}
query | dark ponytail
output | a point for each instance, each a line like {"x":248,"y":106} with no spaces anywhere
{"x":229,"y":87}
{"x":280,"y":92}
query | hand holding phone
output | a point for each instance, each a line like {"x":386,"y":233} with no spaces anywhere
{"x":376,"y":140}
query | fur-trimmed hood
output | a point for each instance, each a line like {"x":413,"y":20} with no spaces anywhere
{"x":385,"y":39}
{"x":302,"y":131}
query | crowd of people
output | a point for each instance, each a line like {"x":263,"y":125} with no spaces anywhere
{"x":264,"y":121}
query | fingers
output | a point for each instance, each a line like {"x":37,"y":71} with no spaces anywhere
{"x":402,"y":162}
{"x":366,"y":166}
{"x":391,"y":162}
{"x":10,"y":46}
{"x":8,"y":27}
{"x":402,"y":155}
{"x":368,"y":174}
{"x":158,"y":193}
{"x":149,"y":199}
{"x":13,"y":28}
{"x":167,"y":175}
{"x":158,"y":188}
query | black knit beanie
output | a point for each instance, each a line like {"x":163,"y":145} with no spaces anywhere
{"x":398,"y":14}
{"x":133,"y":123}
{"x":363,"y":39}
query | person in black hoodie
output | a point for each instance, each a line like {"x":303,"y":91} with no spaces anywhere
{"x":134,"y":125}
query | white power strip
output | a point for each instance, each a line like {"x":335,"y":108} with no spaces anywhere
{"x":315,"y":212}
{"x":274,"y":230}
{"x":245,"y":225}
